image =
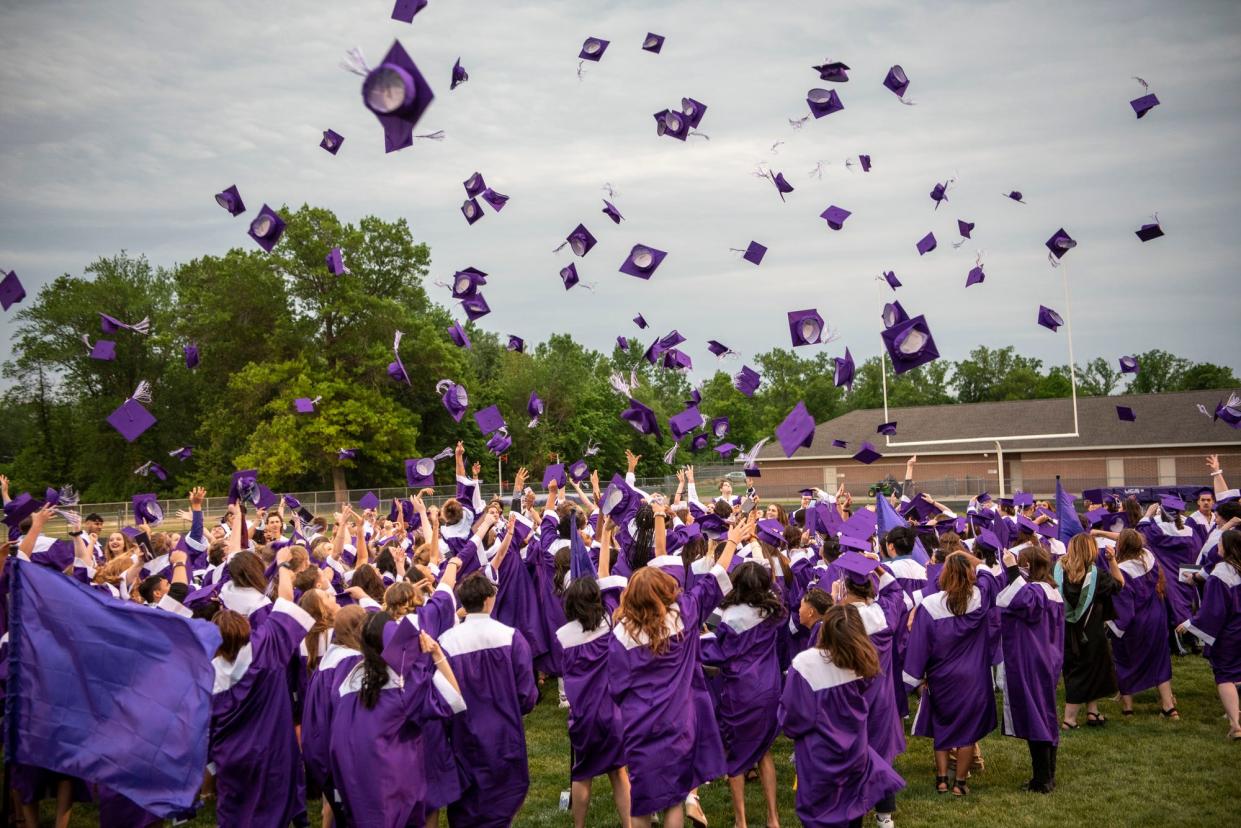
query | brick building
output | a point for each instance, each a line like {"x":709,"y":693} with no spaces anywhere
{"x":1166,"y":445}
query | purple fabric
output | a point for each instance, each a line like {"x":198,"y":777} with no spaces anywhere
{"x":1139,"y":632}
{"x":1173,"y":552}
{"x":744,"y":649}
{"x":595,"y":734}
{"x":1032,"y":619}
{"x":1218,"y":622}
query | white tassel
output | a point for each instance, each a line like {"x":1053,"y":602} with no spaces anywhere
{"x":142,"y":393}
{"x":355,"y":62}
{"x":775,"y":148}
{"x":693,"y":133}
{"x":438,"y":135}
{"x":1203,"y":410}
{"x":72,"y":518}
{"x":562,"y":246}
{"x":443,"y":385}
{"x":443,"y":455}
{"x":86,"y":341}
{"x":316,"y":400}
{"x":798,"y":123}
{"x":592,"y":448}
{"x":396,"y":341}
{"x":671,"y":454}
{"x":1146,"y":86}
{"x":1233,"y":401}
{"x":617,"y":381}
{"x":532,"y":423}
{"x":750,"y":456}
{"x":143,"y":327}
{"x":68,"y":497}
{"x":144,"y":469}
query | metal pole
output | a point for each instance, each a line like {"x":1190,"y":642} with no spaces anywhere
{"x":999,"y":466}
{"x":1068,"y":324}
{"x":499,"y":476}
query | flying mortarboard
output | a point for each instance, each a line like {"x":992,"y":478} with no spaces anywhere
{"x":782,"y":185}
{"x":642,"y":262}
{"x":897,"y":81}
{"x":456,"y":332}
{"x":370,"y":500}
{"x":975,"y":276}
{"x":332,"y":141}
{"x":652,"y":43}
{"x":1049,"y":319}
{"x":844,"y":370}
{"x":754,"y":253}
{"x":1060,"y":243}
{"x":11,"y":290}
{"x":580,"y":241}
{"x":593,"y":49}
{"x":396,"y":368}
{"x":554,"y":472}
{"x":404,"y":10}
{"x":494,"y":199}
{"x":267,"y":228}
{"x":609,"y":209}
{"x":1149,"y":231}
{"x":472,"y":210}
{"x":797,"y":430}
{"x":686,"y":421}
{"x":887,"y":429}
{"x":397,"y":94}
{"x":926,"y":244}
{"x":1125,"y":413}
{"x":719,"y":427}
{"x":719,"y":349}
{"x":147,"y":509}
{"x":823,"y":102}
{"x":335,"y":261}
{"x":489,"y":419}
{"x":641,"y":418}
{"x":305,"y":405}
{"x":910,"y":344}
{"x":1144,"y":104}
{"x":230,"y":200}
{"x":889,"y":276}
{"x":459,"y":75}
{"x":805,"y":327}
{"x":475,"y":307}
{"x":191,"y":355}
{"x":867,"y":454}
{"x":454,"y":397}
{"x":747,"y":380}
{"x":965,"y":228}
{"x":833,"y":71}
{"x":835,"y":216}
{"x":640,"y":321}
{"x":103,"y":350}
{"x":131,"y":419}
{"x":516,"y":343}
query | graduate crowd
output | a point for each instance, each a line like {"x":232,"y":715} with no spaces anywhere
{"x":379,"y":667}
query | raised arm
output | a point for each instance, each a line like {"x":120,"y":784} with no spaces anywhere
{"x":908,"y":486}
{"x":195,"y":539}
{"x":37,"y":521}
{"x":459,"y":455}
{"x":605,"y":546}
{"x":502,"y":552}
{"x":676,"y":496}
{"x":342,"y":531}
{"x":362,"y":554}
{"x":631,"y":464}
{"x":590,"y":504}
{"x":691,"y":491}
{"x":237,"y":524}
{"x":661,"y":534}
{"x":1217,"y":475}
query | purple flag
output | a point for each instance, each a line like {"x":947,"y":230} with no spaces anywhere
{"x":1066,"y":515}
{"x":111,"y":692}
{"x":580,"y":563}
{"x":888,"y":518}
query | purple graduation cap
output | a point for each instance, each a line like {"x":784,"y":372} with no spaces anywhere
{"x":653,"y":43}
{"x":465,"y":283}
{"x":677,"y":360}
{"x":516,"y":343}
{"x":494,"y":199}
{"x":243,"y":486}
{"x":593,"y":49}
{"x":147,"y":509}
{"x":622,"y":343}
{"x":693,"y":111}
{"x":346,"y":454}
{"x":230,"y":200}
{"x":11,"y":290}
{"x":335,"y":261}
{"x":103,"y":350}
{"x":926,"y":244}
{"x":699,"y":443}
{"x":975,"y":276}
{"x":887,"y":429}
{"x":686,"y":421}
{"x":459,"y":75}
{"x":1049,"y":319}
{"x":640,"y":321}
{"x":865,"y":161}
{"x":1149,"y":231}
{"x":641,"y":418}
{"x":805,"y":327}
{"x":110,"y":324}
{"x":474,"y":185}
{"x":191,"y":355}
{"x":1144,"y":104}
{"x":396,"y":92}
{"x":131,"y":419}
{"x":489,"y":419}
{"x":454,"y":397}
{"x":844,"y":370}
{"x":797,"y":430}
{"x":840,"y":444}
{"x":475,"y":307}
{"x":910,"y":344}
{"x":472,"y":210}
{"x":396,"y":368}
{"x":965,"y":228}
{"x":754,"y":253}
{"x":642,"y":261}
{"x":1128,"y":365}
{"x":782,"y":186}
{"x":867,"y":454}
{"x":305,"y":405}
{"x":893,"y":314}
{"x":770,"y":532}
{"x":267,"y":228}
{"x":823,"y":102}
{"x":719,"y":427}
{"x":404,"y":10}
{"x":618,"y":498}
{"x":834,"y":72}
{"x":370,"y":500}
{"x":456,"y":332}
{"x":889,"y":276}
{"x":420,"y":473}
{"x":1125,"y":413}
{"x":182,"y":453}
{"x":580,"y":240}
{"x":939,"y":193}
{"x":579,"y":471}
{"x":725,"y":449}
{"x":897,"y":81}
{"x":835,"y":216}
{"x":1229,"y":411}
{"x":1060,"y":243}
{"x":500,"y":442}
{"x":534,"y":409}
{"x":609,"y":209}
{"x":747,"y":380}
{"x":1015,"y":195}
{"x":569,"y":276}
{"x":332,"y":141}
{"x":150,"y":467}
{"x":671,"y":124}
{"x":555,"y":473}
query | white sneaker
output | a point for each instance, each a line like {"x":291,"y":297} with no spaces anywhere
{"x":884,"y":821}
{"x":564,"y":703}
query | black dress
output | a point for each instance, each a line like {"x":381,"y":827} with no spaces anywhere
{"x":1088,"y":671}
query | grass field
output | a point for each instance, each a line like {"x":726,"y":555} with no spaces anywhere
{"x":1136,"y":771}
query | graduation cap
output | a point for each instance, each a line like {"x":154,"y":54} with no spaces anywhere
{"x":609,"y":210}
{"x":454,"y":397}
{"x":857,"y":568}
{"x":1049,"y":319}
{"x":975,"y":276}
{"x":693,"y":111}
{"x":370,"y":500}
{"x":103,"y":350}
{"x":835,"y":216}
{"x":516,"y":343}
{"x":782,"y":185}
{"x":147,"y":509}
{"x":305,"y":405}
{"x":580,"y":241}
{"x":110,"y":324}
{"x":622,"y":343}
{"x":770,"y":532}
{"x":399,"y":510}
{"x":897,"y":81}
{"x":1171,"y":503}
{"x":554,"y":473}
{"x":472,"y":210}
{"x":1128,"y":365}
{"x":641,"y":418}
{"x":332,"y":141}
{"x":805,"y":327}
{"x":1014,"y":195}
{"x":866,"y":454}
{"x":267,"y":228}
{"x":569,"y":276}
{"x":489,"y":419}
{"x":1229,"y":411}
{"x":475,"y":307}
{"x":797,"y":430}
{"x":640,"y":321}
{"x":230,"y":199}
{"x":987,"y":539}
{"x":243,"y":486}
{"x":890,"y":277}
{"x":910,"y":344}
{"x":965,"y":228}
{"x":719,"y":349}
{"x":335,"y":261}
{"x":754,"y":253}
{"x":398,"y":95}
{"x":1060,"y":243}
{"x":150,"y":467}
{"x":495,"y":200}
{"x":939,"y":193}
{"x":893,"y":314}
{"x":887,"y":429}
{"x":865,"y":161}
{"x":1125,"y":413}
{"x":652,"y":43}
{"x":1149,"y":231}
{"x":534,"y":409}
{"x":459,"y":75}
{"x":466,"y":282}
{"x":191,"y":355}
{"x":618,"y":498}
{"x":926,"y":244}
{"x":823,"y":102}
{"x":1144,"y":104}
{"x":474,"y":185}
{"x":833,"y":71}
{"x":642,"y":262}
{"x":1023,"y":499}
{"x":844,"y":370}
{"x":420,"y":472}
{"x":456,"y":332}
{"x":719,"y":427}
{"x":404,"y":10}
{"x":593,"y":49}
{"x":131,"y":419}
{"x":725,"y":449}
{"x":683,"y":423}
{"x":840,"y":444}
{"x":747,"y":380}
{"x":579,"y":471}
{"x":671,"y":124}
{"x":396,"y":368}
{"x":699,"y":442}
{"x":183,"y":453}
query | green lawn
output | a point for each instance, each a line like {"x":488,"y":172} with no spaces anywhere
{"x":1135,"y":771}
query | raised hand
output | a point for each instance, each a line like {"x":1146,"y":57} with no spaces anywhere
{"x":632,"y":459}
{"x":197,"y":495}
{"x":689,"y":474}
{"x":1212,"y":465}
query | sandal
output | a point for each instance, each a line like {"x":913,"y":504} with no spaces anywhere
{"x":1066,"y":725}
{"x":1171,"y":713}
{"x":1126,"y":712}
{"x":960,"y":788}
{"x":1234,"y":735}
{"x":941,"y":784}
{"x":1095,"y":720}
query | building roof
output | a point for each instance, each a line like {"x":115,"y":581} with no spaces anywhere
{"x":1162,"y":420}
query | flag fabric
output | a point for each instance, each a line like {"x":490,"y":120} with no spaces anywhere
{"x":580,"y":564}
{"x":111,"y":692}
{"x":888,"y":518}
{"x":1067,"y":523}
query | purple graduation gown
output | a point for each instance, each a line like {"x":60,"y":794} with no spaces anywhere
{"x":824,"y":711}
{"x":258,"y":765}
{"x":744,"y":648}
{"x":377,"y":754}
{"x":952,"y":653}
{"x":1139,"y":631}
{"x":1032,"y":628}
{"x":882,"y":619}
{"x":912,"y":576}
{"x":1173,"y":549}
{"x":1218,"y":622}
{"x":672,"y":742}
{"x":517,"y":598}
{"x":493,"y":666}
{"x":595,"y":734}
{"x":317,"y":710}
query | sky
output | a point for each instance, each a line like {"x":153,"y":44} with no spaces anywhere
{"x":119,"y":121}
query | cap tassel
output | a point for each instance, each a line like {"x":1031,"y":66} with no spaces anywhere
{"x":86,"y":341}
{"x":607,"y":188}
{"x":355,"y":62}
{"x":438,"y":135}
{"x":1145,"y":86}
{"x":443,"y":455}
{"x":562,"y":246}
{"x":775,"y":148}
{"x":693,"y":133}
{"x":443,"y":385}
{"x":581,"y":65}
{"x":817,"y":172}
{"x":142,"y":393}
{"x":143,"y":327}
{"x":592,"y":448}
{"x":671,"y":454}
{"x":798,"y":123}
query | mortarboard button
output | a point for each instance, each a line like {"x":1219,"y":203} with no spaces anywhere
{"x":797,"y":430}
{"x":230,"y":200}
{"x":835,"y":216}
{"x":267,"y":228}
{"x":191,"y":355}
{"x":844,"y":370}
{"x":642,"y":261}
{"x":805,"y":327}
{"x":897,"y":81}
{"x":1144,"y":104}
{"x":593,"y":49}
{"x":823,"y":102}
{"x":747,"y":380}
{"x":641,"y":418}
{"x":910,"y":344}
{"x":569,"y":276}
{"x":459,"y":75}
{"x":456,"y":332}
{"x":1125,"y":413}
{"x":516,"y":343}
{"x":1048,"y":318}
{"x":609,"y":209}
{"x":965,"y":228}
{"x":580,"y":240}
{"x":926,"y":244}
{"x":332,"y":141}
{"x":653,"y":43}
{"x":866,"y":454}
{"x":1149,"y":231}
{"x":397,"y":94}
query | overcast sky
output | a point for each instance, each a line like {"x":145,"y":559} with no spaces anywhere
{"x":120,"y":120}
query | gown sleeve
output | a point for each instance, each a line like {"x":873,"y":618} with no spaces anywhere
{"x":1212,"y":616}
{"x":523,"y":673}
{"x":1016,"y":601}
{"x":275,"y":642}
{"x":796,"y":713}
{"x":918,"y":650}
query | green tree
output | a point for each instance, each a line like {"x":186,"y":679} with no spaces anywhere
{"x":1158,"y":372}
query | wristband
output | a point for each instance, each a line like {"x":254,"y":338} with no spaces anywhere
{"x":1217,"y":472}
{"x":76,"y":534}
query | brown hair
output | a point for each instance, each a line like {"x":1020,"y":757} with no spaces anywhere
{"x":818,"y":599}
{"x":111,"y":572}
{"x":307,"y":579}
{"x":452,"y":511}
{"x":247,"y":570}
{"x":161,"y":544}
{"x":1037,"y":562}
{"x":318,"y":609}
{"x":349,"y":621}
{"x":1080,"y":558}
{"x":843,"y":640}
{"x":644,"y":607}
{"x":217,"y":552}
{"x":957,"y":582}
{"x":299,"y":558}
{"x":320,"y":548}
{"x":234,"y":633}
{"x":367,"y":578}
{"x":949,"y":542}
{"x":401,"y":599}
{"x":1129,"y":547}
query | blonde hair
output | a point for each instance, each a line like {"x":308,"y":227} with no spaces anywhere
{"x":1083,"y":551}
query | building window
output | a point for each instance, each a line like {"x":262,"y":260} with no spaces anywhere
{"x":1115,"y":471}
{"x":1167,"y":471}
